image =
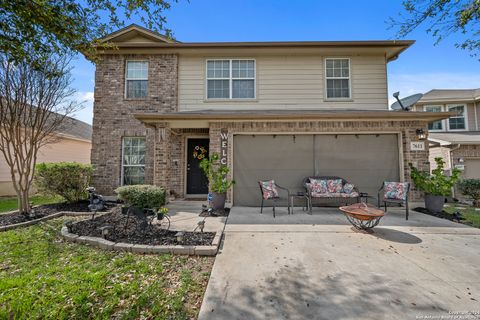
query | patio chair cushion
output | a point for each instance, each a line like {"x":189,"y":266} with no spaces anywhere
{"x":319,"y":186}
{"x":334,"y":186}
{"x":269,"y":190}
{"x":395,"y":190}
{"x":348,"y":188}
{"x":353,"y":194}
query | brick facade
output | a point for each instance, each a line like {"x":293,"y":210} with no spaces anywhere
{"x":166,"y":158}
{"x":113,"y":113}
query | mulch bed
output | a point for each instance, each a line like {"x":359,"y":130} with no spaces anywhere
{"x":443,"y":215}
{"x":131,"y":232}
{"x":45,"y":210}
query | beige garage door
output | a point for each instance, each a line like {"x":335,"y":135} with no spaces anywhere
{"x":365,"y":160}
{"x":472,"y":169}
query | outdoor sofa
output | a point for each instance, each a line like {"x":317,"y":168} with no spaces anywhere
{"x":330,"y":189}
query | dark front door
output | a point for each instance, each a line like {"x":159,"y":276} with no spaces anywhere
{"x":197,"y":149}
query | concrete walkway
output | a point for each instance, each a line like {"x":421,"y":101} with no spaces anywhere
{"x":317,"y":267}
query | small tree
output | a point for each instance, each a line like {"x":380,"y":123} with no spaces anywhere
{"x":34,"y":103}
{"x":216,"y":173}
{"x":471,"y":188}
{"x":435,"y":183}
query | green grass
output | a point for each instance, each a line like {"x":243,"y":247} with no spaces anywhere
{"x":10,"y":203}
{"x":45,"y":277}
{"x":471,"y":215}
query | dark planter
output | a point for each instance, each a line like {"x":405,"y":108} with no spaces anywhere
{"x":218,"y":201}
{"x":160,"y":215}
{"x":434,"y":203}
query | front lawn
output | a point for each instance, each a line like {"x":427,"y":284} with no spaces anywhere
{"x":44,"y":277}
{"x":472,"y":216}
{"x":11,"y":203}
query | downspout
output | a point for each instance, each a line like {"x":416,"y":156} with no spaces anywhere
{"x":475,"y":112}
{"x":456,"y":147}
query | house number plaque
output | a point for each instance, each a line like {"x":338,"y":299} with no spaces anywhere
{"x":223,"y":146}
{"x":417,"y":145}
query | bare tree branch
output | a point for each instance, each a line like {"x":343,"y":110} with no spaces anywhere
{"x":34,"y":105}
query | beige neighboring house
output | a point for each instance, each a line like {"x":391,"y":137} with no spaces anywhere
{"x":74,"y":145}
{"x":272,"y":110}
{"x":456,"y":140}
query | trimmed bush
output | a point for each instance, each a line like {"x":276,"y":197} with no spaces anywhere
{"x":471,"y":188}
{"x":142,"y":196}
{"x":66,"y":179}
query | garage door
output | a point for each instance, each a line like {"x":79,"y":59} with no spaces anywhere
{"x":472,"y":169}
{"x":365,"y":160}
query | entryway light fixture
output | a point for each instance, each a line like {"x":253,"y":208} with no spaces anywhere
{"x":421,"y":135}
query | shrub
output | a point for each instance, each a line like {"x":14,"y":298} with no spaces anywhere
{"x":142,"y":196}
{"x":67,"y":179}
{"x":435,"y":183}
{"x":471,"y":188}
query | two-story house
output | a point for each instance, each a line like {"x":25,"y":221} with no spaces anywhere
{"x":457,"y":139}
{"x":272,"y":110}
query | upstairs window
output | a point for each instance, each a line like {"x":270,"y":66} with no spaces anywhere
{"x":337,"y":75}
{"x":457,"y":122}
{"x":136,"y":79}
{"x":133,"y":160}
{"x":436,"y":125}
{"x":231,"y":79}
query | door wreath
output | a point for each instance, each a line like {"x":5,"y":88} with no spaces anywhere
{"x":199,"y":152}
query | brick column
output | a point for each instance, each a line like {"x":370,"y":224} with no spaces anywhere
{"x":162,"y":152}
{"x":418,"y":159}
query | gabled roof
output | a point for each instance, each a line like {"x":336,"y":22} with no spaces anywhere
{"x":135,"y":32}
{"x":134,"y":38}
{"x":445,"y":95}
{"x":76,"y":129}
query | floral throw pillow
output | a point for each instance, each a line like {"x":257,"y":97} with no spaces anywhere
{"x":318,"y":186}
{"x":396,"y":190}
{"x":269,"y":190}
{"x":334,"y":186}
{"x":348,"y":188}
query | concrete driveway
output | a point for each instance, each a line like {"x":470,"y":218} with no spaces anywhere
{"x":317,"y":267}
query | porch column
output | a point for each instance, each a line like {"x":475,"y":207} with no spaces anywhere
{"x":162,"y":153}
{"x":418,"y":158}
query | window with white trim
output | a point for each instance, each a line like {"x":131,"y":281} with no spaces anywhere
{"x":436,"y":125}
{"x":231,"y":79}
{"x":133,"y":160}
{"x":136,"y":78}
{"x":337,"y":76}
{"x":458,"y":121}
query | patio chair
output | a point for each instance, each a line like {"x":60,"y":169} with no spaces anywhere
{"x":269,"y":190}
{"x":394,"y":192}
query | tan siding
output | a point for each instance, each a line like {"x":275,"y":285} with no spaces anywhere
{"x":65,"y":150}
{"x":288,"y":82}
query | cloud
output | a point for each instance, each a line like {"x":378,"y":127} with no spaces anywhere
{"x":86,"y":113}
{"x":86,"y":96}
{"x":412,"y":83}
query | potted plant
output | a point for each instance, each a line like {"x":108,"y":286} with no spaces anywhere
{"x":141,"y":199}
{"x":217,"y":177}
{"x":436,"y":185}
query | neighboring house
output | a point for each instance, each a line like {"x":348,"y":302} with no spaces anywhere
{"x":74,"y":144}
{"x":273,"y":110}
{"x":456,"y":140}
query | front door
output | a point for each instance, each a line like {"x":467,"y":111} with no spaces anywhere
{"x":197,"y":149}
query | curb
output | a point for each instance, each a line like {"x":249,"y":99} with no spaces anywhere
{"x":142,"y":248}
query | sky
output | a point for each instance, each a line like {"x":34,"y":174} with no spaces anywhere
{"x":422,"y":67}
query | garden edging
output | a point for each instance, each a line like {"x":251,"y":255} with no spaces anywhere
{"x":140,"y":248}
{"x":51,"y":216}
